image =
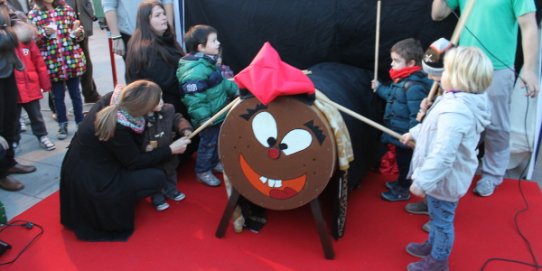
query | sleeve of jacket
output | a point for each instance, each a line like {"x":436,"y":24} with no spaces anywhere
{"x":125,"y":148}
{"x":384,"y":91}
{"x":414,"y":95}
{"x":43,"y":73}
{"x":196,"y":102}
{"x":231,"y":88}
{"x":34,"y":18}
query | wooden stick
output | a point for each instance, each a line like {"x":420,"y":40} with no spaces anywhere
{"x":208,"y":122}
{"x":454,"y":40}
{"x":377,"y":39}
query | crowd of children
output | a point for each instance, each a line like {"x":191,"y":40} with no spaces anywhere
{"x":440,"y":168}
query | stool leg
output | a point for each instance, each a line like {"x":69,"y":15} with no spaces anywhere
{"x":230,"y":207}
{"x":324,"y":236}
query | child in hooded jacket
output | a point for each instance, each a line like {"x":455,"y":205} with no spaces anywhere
{"x":205,"y":92}
{"x":445,"y":158}
{"x":31,"y":81}
{"x":403,"y":97}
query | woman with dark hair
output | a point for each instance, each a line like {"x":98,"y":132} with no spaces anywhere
{"x":8,"y":102}
{"x":105,"y":170}
{"x":153,"y":52}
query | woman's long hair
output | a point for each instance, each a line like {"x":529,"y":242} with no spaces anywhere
{"x":137,"y":99}
{"x":144,"y":41}
{"x":8,"y":39}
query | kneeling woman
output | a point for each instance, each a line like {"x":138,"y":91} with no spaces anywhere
{"x":105,"y":172}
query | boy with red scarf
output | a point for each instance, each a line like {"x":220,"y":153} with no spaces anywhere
{"x":403,"y":97}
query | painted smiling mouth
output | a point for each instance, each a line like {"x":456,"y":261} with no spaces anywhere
{"x":273,"y":188}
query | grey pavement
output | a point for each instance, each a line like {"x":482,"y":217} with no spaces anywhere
{"x":45,"y":181}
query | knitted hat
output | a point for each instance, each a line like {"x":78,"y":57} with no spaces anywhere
{"x":433,"y":59}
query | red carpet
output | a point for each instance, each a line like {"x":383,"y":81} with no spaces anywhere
{"x":182,"y":238}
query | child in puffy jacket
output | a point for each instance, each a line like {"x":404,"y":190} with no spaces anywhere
{"x":31,"y":81}
{"x":205,"y":93}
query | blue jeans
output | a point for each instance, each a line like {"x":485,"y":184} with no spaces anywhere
{"x":59,"y":89}
{"x":207,"y":157}
{"x":441,"y":235}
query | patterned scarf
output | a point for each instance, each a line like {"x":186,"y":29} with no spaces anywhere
{"x":137,"y":124}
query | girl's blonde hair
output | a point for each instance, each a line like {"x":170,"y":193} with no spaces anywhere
{"x":468,"y":69}
{"x":137,"y":99}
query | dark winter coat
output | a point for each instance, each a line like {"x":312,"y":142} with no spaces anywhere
{"x":403,"y":100}
{"x":161,"y":129}
{"x":94,"y":199}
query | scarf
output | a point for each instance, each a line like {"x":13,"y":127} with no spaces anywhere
{"x":397,"y":75}
{"x":136,"y":124}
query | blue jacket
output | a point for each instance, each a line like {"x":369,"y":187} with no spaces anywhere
{"x":403,"y":103}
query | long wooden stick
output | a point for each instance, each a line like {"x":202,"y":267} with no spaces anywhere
{"x":324,"y":98}
{"x":454,"y":40}
{"x":377,"y":39}
{"x":208,"y":122}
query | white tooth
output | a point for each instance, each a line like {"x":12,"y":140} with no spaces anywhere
{"x":263,"y":179}
{"x":274,"y":183}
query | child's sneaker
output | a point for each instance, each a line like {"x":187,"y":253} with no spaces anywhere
{"x":161,"y":206}
{"x":219,"y":168}
{"x":417,"y":208}
{"x":485,"y":187}
{"x":46,"y":144}
{"x":428,"y":263}
{"x":175,"y":195}
{"x":392,"y":185}
{"x":62,"y":131}
{"x":208,"y":178}
{"x":398,"y":194}
{"x":419,"y":250}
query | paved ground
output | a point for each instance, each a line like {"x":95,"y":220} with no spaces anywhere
{"x":45,"y":180}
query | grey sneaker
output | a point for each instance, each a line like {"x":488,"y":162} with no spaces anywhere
{"x":208,"y":178}
{"x":62,"y":131}
{"x":419,"y":250}
{"x":219,"y":168}
{"x":46,"y":144}
{"x":427,"y":226}
{"x":417,"y":208}
{"x":484,"y":188}
{"x":176,"y":195}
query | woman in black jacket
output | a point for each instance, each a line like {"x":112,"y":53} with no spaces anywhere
{"x":105,"y":170}
{"x":153,"y":53}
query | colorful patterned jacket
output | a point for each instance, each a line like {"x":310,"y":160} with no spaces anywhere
{"x":63,"y":56}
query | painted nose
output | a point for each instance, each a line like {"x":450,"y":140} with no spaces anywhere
{"x":273,"y":153}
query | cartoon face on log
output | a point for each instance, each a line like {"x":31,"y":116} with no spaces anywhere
{"x":279,"y":156}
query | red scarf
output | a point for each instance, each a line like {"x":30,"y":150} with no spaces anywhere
{"x":397,"y":75}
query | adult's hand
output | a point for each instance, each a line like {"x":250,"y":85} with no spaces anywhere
{"x":4,"y":143}
{"x":529,"y":80}
{"x":179,"y":146}
{"x":118,"y":47}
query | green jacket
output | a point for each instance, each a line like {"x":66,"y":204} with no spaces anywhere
{"x":202,"y":96}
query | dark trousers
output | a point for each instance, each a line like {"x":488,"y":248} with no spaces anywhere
{"x":8,"y":120}
{"x":59,"y":89}
{"x":207,"y":157}
{"x":87,"y":82}
{"x":403,"y":156}
{"x":33,"y":109}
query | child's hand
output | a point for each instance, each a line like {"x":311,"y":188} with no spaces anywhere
{"x":416,"y":190}
{"x":406,"y":138}
{"x":375,"y":84}
{"x":179,"y":146}
{"x":424,"y":105}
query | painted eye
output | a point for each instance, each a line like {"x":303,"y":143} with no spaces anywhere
{"x":295,"y":141}
{"x":264,"y":127}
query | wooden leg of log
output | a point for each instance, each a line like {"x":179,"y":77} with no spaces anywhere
{"x":321,"y":225}
{"x":230,"y":207}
